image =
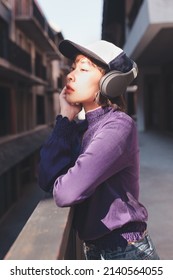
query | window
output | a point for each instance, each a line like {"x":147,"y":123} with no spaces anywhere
{"x":3,"y":39}
{"x":20,"y":111}
{"x":40,"y":113}
{"x":5,"y":111}
{"x":38,"y":65}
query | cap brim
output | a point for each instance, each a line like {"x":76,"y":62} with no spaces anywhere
{"x":70,"y":50}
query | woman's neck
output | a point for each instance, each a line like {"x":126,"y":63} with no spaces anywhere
{"x":90,"y":107}
{"x":93,"y":109}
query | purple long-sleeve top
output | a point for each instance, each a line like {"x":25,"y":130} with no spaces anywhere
{"x":96,"y":169}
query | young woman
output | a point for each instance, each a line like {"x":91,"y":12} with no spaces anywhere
{"x":94,"y":164}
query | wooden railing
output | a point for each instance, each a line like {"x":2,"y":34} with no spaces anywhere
{"x":47,"y":235}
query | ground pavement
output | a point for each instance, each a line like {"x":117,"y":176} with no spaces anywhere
{"x":156,"y":178}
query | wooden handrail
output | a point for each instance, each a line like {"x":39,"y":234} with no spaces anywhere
{"x":48,"y":234}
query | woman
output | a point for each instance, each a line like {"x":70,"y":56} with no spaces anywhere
{"x":94,"y":164}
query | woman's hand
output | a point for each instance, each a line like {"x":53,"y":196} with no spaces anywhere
{"x":67,"y":109}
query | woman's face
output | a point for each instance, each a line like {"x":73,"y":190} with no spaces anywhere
{"x":83,"y":82}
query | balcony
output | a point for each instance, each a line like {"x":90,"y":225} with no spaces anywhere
{"x":16,"y":63}
{"x":19,"y":57}
{"x":32,"y":22}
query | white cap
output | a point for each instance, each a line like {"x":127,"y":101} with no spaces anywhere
{"x":101,"y":52}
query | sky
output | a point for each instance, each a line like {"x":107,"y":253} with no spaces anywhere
{"x":78,"y":20}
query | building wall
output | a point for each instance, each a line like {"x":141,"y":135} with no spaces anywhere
{"x":29,"y":77}
{"x":148,"y":32}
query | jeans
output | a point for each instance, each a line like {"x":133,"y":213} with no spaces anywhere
{"x":140,"y":250}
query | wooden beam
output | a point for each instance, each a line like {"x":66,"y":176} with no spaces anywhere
{"x":45,"y":235}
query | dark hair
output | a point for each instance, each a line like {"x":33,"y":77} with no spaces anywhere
{"x":117,"y":103}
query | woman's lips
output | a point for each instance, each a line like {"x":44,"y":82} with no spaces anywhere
{"x":69,"y":89}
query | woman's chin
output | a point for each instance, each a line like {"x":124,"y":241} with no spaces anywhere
{"x":72,"y":100}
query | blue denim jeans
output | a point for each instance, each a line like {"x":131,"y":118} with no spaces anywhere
{"x":140,"y":250}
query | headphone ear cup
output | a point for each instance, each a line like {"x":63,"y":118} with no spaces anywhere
{"x":115,"y":83}
{"x":112,"y":84}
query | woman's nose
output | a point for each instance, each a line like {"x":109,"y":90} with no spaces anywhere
{"x":70,"y":76}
